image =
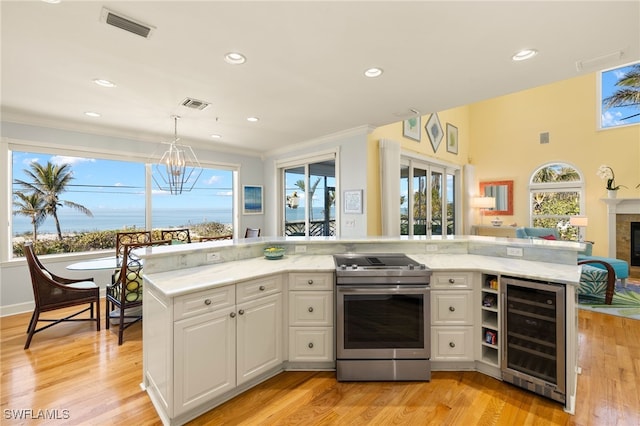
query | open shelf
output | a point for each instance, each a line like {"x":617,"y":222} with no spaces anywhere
{"x":490,"y":316}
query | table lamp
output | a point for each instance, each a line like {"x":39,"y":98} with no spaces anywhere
{"x":483,"y":203}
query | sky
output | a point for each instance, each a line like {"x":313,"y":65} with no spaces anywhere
{"x":612,"y":117}
{"x":108,"y":184}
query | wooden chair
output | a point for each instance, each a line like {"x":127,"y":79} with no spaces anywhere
{"x":130,"y":237}
{"x":252,"y":233}
{"x":52,"y":292}
{"x":126,"y":292}
{"x":176,"y":235}
{"x":596,"y":282}
{"x":215,"y":238}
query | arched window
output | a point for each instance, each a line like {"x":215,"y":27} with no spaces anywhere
{"x":556,"y":192}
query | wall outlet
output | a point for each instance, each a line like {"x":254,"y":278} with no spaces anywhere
{"x":431,"y":248}
{"x":301,"y":249}
{"x":514,"y":251}
{"x":213,"y":257}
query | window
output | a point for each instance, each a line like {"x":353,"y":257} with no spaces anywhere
{"x":619,"y":91}
{"x":427,"y":199}
{"x":556,"y":192}
{"x":97,"y":197}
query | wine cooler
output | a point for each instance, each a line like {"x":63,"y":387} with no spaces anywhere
{"x":533,"y":355}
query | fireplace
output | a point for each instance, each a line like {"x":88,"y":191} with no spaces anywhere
{"x":634,"y":251}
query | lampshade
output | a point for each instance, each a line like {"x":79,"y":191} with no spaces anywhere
{"x":178,"y":169}
{"x":578,"y":221}
{"x":483,"y":202}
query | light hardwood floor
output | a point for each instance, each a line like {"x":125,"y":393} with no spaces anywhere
{"x":84,"y":377}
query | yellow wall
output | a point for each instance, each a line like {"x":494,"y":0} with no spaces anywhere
{"x":505,"y":145}
{"x":500,"y":137}
{"x":458,"y":117}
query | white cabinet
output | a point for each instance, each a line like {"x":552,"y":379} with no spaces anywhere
{"x":203,"y":345}
{"x":311,"y":333}
{"x":451,"y":317}
{"x":489,"y":324}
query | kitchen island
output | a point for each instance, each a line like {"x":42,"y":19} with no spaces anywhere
{"x":219,"y":318}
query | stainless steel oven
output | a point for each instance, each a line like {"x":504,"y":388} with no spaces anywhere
{"x":382,"y":318}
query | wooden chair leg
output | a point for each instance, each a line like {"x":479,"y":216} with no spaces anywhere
{"x":97,"y":314}
{"x":121,"y":327}
{"x":32,"y":328}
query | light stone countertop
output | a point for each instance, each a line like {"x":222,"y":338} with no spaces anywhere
{"x":184,"y":281}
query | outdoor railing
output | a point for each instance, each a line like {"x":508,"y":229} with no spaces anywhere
{"x":317,"y":228}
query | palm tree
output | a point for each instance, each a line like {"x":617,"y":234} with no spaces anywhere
{"x":31,"y":205}
{"x":629,"y":94}
{"x":49,"y":182}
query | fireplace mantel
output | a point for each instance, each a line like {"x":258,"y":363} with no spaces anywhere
{"x":616,"y":206}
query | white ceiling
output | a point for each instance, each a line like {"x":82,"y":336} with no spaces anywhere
{"x":305,"y":61}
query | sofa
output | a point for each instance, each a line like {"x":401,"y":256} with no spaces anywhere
{"x":620,"y":267}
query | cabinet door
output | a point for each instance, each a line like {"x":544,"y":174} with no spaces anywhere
{"x":452,"y":343}
{"x":204,"y":358}
{"x":451,"y":308}
{"x":311,"y":308}
{"x":259,"y":338}
{"x":310,"y":344}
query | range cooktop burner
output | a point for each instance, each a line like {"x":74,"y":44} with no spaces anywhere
{"x":382,"y":268}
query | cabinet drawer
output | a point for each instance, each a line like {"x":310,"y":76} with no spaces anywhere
{"x":452,"y":343}
{"x":311,"y":308}
{"x":204,"y":301}
{"x":452,"y":280}
{"x":451,"y":307}
{"x":311,"y":281}
{"x":254,"y":289}
{"x":311,"y":344}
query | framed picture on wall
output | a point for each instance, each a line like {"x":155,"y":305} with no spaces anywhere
{"x":411,"y":128}
{"x":252,"y":199}
{"x":434,"y":131}
{"x":353,"y":201}
{"x":452,"y":138}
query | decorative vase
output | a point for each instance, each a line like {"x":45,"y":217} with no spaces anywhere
{"x":611,"y":193}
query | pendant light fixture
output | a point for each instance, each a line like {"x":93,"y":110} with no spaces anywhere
{"x":178,"y":169}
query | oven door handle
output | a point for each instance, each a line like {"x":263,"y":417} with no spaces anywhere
{"x":405,"y":289}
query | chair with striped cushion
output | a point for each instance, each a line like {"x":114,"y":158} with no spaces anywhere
{"x":595,"y":281}
{"x":124,"y":296}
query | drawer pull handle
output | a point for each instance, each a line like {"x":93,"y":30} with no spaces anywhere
{"x":232,"y":314}
{"x":311,"y":345}
{"x":207,"y":302}
{"x":452,"y":280}
{"x":452,"y":308}
{"x":241,"y":311}
{"x":452,"y":345}
{"x":310,"y":308}
{"x":261,"y":288}
{"x":310,"y":282}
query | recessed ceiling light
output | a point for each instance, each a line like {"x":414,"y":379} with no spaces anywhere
{"x":253,"y":119}
{"x":104,"y":83}
{"x":235,"y":58}
{"x":216,"y":136}
{"x":524,"y":54}
{"x":92,"y":114}
{"x":373,"y":72}
{"x":52,"y":1}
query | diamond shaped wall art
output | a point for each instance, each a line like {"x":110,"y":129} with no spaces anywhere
{"x":434,"y":131}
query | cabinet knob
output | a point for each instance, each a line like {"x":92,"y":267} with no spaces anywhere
{"x":452,"y":345}
{"x":452,"y":280}
{"x":311,"y":345}
{"x":452,"y":308}
{"x":232,"y":314}
{"x":241,"y":312}
{"x":310,"y":282}
{"x":310,"y":308}
{"x":207,"y":302}
{"x":261,"y":288}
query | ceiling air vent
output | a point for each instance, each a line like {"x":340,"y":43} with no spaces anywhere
{"x":195,"y":104}
{"x":125,"y":23}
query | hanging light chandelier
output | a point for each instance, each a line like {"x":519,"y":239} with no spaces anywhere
{"x":178,"y":169}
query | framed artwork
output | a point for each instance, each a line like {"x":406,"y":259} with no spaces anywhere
{"x":452,"y":138}
{"x":353,"y":201}
{"x":434,"y":131}
{"x":252,"y":199}
{"x":411,"y":128}
{"x":616,"y":107}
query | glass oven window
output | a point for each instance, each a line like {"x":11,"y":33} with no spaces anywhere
{"x":383,"y":321}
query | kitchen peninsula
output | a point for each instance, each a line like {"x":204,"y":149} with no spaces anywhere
{"x":219,"y":318}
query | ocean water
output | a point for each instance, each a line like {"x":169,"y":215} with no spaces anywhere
{"x":72,"y":221}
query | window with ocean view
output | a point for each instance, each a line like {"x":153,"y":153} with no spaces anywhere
{"x":76,"y":204}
